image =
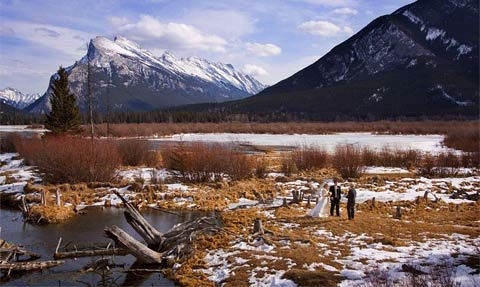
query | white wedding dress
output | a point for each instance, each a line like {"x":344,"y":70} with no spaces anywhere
{"x":321,"y":209}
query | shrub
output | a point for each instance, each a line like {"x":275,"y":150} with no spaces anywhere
{"x":65,"y":159}
{"x":471,"y":159}
{"x":239,"y":166}
{"x":427,"y":165}
{"x":261,"y":167}
{"x":201,"y":162}
{"x":288,"y":166}
{"x":347,"y":161}
{"x":136,"y":152}
{"x":309,"y":158}
{"x":465,"y":137}
{"x":447,"y":164}
{"x":6,"y":142}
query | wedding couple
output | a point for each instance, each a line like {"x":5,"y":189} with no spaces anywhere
{"x":333,"y":194}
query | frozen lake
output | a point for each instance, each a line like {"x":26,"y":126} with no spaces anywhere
{"x":425,"y":143}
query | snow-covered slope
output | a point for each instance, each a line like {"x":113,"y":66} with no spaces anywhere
{"x":17,"y":99}
{"x":134,"y":79}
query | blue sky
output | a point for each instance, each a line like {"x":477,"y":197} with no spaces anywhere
{"x":269,"y":39}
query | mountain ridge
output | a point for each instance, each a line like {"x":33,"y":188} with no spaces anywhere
{"x":419,"y":60}
{"x":134,"y":79}
{"x":17,"y":99}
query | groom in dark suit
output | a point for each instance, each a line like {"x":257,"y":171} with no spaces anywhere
{"x":335,"y":195}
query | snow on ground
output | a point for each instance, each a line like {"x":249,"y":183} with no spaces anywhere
{"x":424,"y":143}
{"x":21,"y":128}
{"x":14,"y":175}
{"x":363,"y":259}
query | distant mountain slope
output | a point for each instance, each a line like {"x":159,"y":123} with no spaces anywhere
{"x":127,"y":77}
{"x":17,"y":99}
{"x":420,"y":60}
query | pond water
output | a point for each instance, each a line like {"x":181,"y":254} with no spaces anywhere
{"x":87,"y":228}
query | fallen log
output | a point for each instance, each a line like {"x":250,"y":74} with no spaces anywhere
{"x":87,"y":253}
{"x":152,"y":236}
{"x":170,"y":246}
{"x":136,"y":248}
{"x":33,"y":265}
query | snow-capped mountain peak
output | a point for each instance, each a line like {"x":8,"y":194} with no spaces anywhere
{"x":17,"y":99}
{"x":139,"y":80}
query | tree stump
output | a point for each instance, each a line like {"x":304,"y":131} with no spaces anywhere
{"x":258,"y":226}
{"x":398,"y":213}
{"x":57,"y":197}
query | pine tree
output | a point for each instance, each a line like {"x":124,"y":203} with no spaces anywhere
{"x":65,"y":114}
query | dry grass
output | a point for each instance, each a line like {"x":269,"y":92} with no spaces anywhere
{"x":422,"y":220}
{"x":50,"y":214}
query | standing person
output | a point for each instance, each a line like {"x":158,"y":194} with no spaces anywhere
{"x":335,"y":195}
{"x":351,"y":196}
{"x":320,"y":209}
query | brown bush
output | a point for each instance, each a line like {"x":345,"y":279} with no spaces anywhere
{"x":447,"y":164}
{"x":261,"y":167}
{"x":135,"y":152}
{"x":288,"y":166}
{"x":309,"y":158}
{"x":65,"y":159}
{"x":471,"y":159}
{"x":239,"y":166}
{"x":427,"y":166}
{"x":6,"y":142}
{"x":347,"y":161}
{"x":201,"y":162}
{"x":465,"y":137}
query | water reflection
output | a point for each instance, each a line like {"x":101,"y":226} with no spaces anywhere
{"x":86,"y":228}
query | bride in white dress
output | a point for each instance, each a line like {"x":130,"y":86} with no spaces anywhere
{"x":321,"y":208}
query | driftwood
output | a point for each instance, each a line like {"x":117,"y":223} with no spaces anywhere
{"x":135,"y":247}
{"x":10,"y":261}
{"x":30,"y":265}
{"x":9,"y":252}
{"x":87,"y":251}
{"x":161,"y":248}
{"x":152,"y":236}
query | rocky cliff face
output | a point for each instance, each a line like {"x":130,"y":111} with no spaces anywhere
{"x":420,"y":60}
{"x":123,"y":76}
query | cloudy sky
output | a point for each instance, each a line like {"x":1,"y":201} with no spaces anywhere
{"x":270,"y":39}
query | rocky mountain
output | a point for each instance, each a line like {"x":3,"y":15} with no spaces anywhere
{"x":123,"y":76}
{"x":17,"y":99}
{"x":420,"y":60}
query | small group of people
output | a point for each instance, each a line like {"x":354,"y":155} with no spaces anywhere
{"x":333,"y":194}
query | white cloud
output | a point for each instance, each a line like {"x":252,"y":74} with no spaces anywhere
{"x":150,"y":32}
{"x":348,"y":30}
{"x":345,"y":11}
{"x":320,"y":28}
{"x":254,"y":70}
{"x":263,"y":50}
{"x":226,"y":23}
{"x":64,"y":40}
